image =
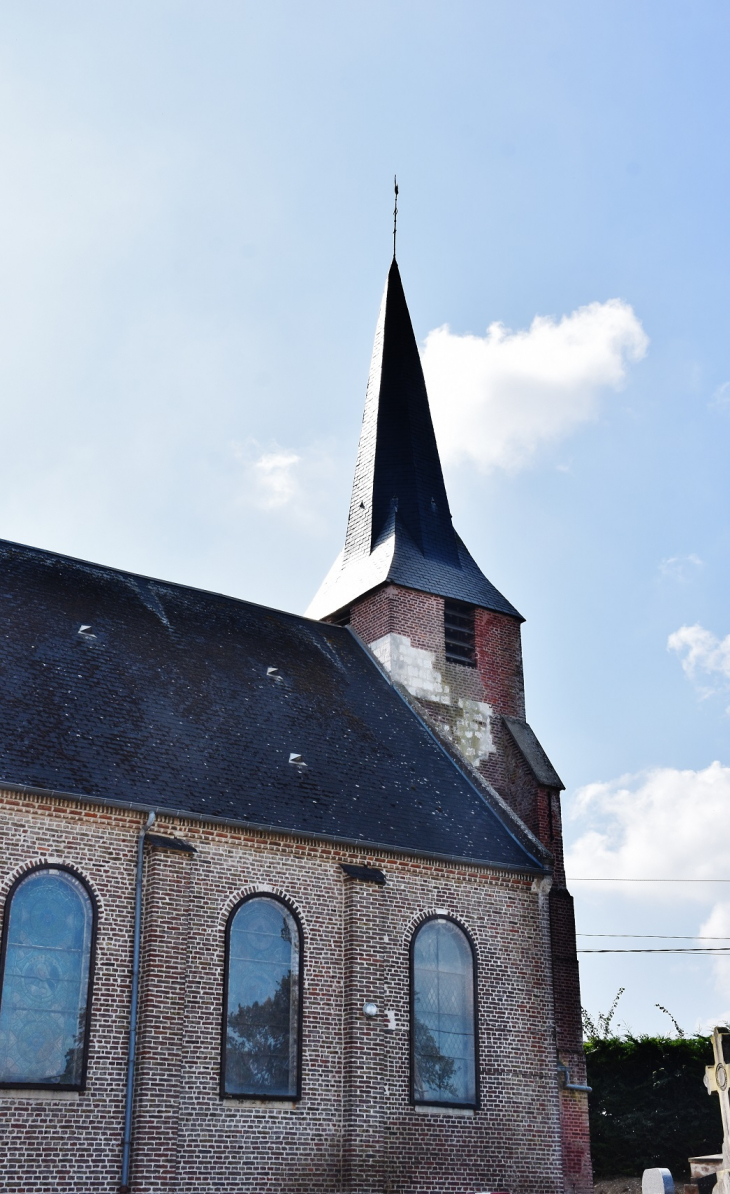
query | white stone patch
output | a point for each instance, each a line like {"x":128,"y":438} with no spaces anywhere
{"x":542,"y":886}
{"x":413,"y":667}
{"x":472,"y":731}
{"x":416,"y":670}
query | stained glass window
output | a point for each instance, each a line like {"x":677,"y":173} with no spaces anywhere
{"x":261,"y":1047}
{"x":443,"y":1036}
{"x":45,"y":981}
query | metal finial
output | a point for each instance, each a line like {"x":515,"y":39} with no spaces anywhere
{"x":395,"y":212}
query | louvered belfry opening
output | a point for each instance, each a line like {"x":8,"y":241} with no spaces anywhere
{"x":459,"y":633}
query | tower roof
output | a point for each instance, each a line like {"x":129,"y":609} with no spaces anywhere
{"x":399,"y":527}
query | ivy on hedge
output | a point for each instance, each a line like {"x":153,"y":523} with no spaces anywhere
{"x":649,"y":1106}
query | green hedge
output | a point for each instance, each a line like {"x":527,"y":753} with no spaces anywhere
{"x":649,"y":1106}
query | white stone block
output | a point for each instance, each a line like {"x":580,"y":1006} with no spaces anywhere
{"x":413,"y":667}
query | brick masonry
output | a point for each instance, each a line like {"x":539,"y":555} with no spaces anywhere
{"x":405,"y":629}
{"x":354,"y":1128}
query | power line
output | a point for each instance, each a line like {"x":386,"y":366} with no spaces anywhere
{"x":720,"y":949}
{"x":656,"y":936}
{"x":594,"y":879}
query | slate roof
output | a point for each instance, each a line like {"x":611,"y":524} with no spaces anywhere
{"x":532,"y":752}
{"x":399,"y":526}
{"x":118,"y":687}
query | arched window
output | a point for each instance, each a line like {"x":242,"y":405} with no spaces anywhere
{"x":443,"y":1016}
{"x":45,"y":980}
{"x":261,"y":1029}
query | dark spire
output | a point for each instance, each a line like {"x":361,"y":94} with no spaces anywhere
{"x":398,"y":467}
{"x":399,"y":528}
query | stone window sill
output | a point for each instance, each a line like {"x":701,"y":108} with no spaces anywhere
{"x":424,"y":1109}
{"x":244,"y":1104}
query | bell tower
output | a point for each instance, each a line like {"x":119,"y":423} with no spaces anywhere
{"x":408,"y":587}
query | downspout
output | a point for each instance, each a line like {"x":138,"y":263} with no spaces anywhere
{"x":131,"y":1057}
{"x":567,"y":1084}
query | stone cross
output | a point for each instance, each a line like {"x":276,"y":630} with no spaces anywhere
{"x":717,"y":1081}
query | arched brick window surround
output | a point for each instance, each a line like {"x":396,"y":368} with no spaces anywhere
{"x":287,"y":905}
{"x":22,"y":875}
{"x":423,"y":921}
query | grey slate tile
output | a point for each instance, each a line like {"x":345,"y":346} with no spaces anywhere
{"x":165,"y":700}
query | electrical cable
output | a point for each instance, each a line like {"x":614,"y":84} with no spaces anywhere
{"x":656,"y":936}
{"x":721,"y":949}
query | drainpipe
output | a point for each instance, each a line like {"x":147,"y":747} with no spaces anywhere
{"x":127,"y":1142}
{"x":567,"y":1084}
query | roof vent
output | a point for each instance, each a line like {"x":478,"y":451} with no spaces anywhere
{"x":86,"y":632}
{"x":297,"y":760}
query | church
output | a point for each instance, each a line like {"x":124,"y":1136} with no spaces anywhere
{"x":283,"y":901}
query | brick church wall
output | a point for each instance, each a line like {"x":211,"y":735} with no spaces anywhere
{"x":392,"y":609}
{"x":72,"y":1142}
{"x":356,"y":943}
{"x":453,"y":698}
{"x":499,"y":661}
{"x":164,"y":1003}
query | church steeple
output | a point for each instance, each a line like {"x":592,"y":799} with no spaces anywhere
{"x":398,"y":471}
{"x":413,"y":596}
{"x":399,"y":527}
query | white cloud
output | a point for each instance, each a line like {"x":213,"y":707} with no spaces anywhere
{"x":498,"y":398}
{"x":284,"y":481}
{"x":664,"y":823}
{"x":717,"y":924}
{"x":276,"y":479}
{"x":680,"y":567}
{"x":721,"y":396}
{"x":702,"y":652}
{"x":661,"y":823}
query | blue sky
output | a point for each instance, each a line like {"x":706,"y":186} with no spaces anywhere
{"x":195,"y":214}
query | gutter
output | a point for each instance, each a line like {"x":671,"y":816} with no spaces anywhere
{"x":183,"y":814}
{"x":124,"y":1187}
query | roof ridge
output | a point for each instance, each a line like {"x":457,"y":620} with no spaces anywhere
{"x":126,"y":574}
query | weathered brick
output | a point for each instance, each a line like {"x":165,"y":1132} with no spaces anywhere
{"x":354,"y":1128}
{"x":453,"y":697}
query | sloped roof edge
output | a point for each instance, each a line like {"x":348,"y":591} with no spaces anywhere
{"x":395,"y":559}
{"x":125,"y":574}
{"x":509,"y":818}
{"x":182,"y":814}
{"x":532,"y":752}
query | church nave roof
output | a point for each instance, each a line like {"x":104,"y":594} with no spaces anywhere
{"x":122,"y":688}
